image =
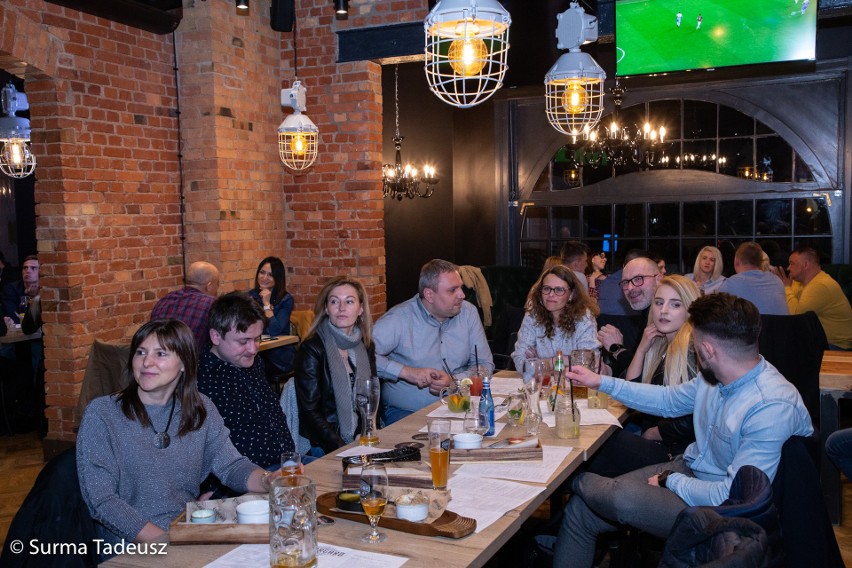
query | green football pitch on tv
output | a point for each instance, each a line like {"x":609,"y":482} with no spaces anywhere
{"x":731,"y":32}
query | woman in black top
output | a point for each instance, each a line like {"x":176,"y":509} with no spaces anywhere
{"x":337,"y":352}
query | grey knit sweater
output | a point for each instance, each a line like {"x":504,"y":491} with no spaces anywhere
{"x":127,"y":482}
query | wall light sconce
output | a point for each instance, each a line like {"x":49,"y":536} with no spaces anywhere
{"x":242,"y":4}
{"x":341,"y":9}
{"x":467,"y":42}
{"x":574,"y":85}
{"x":16,"y":159}
{"x":297,"y":135}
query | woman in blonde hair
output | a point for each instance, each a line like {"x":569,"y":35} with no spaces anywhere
{"x":337,"y":353}
{"x":665,"y":356}
{"x":560,"y":316}
{"x":707,"y":272}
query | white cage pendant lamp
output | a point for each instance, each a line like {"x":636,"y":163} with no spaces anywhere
{"x":16,"y":159}
{"x":467,"y":42}
{"x":574,"y":85}
{"x":298,"y":136}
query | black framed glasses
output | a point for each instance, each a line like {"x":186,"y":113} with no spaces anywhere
{"x":557,"y":290}
{"x":637,"y":281}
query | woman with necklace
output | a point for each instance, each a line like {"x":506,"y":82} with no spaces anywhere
{"x":337,"y":353}
{"x":560,"y":316}
{"x":142,"y":453}
{"x":707,"y":272}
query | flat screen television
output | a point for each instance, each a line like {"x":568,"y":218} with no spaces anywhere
{"x":657,"y":36}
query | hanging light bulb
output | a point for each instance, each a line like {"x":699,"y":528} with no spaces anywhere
{"x":16,"y":159}
{"x":467,"y":42}
{"x":574,"y":85}
{"x":298,"y":135}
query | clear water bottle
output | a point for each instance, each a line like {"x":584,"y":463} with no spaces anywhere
{"x":486,"y":405}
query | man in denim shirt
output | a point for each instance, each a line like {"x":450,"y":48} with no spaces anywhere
{"x":416,"y":339}
{"x":743,"y":410}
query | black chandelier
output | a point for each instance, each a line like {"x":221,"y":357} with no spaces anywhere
{"x":400,"y":181}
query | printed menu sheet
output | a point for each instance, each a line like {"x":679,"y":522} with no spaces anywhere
{"x":486,"y":500}
{"x":328,"y":556}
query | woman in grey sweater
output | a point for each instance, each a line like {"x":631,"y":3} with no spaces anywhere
{"x":142,"y":453}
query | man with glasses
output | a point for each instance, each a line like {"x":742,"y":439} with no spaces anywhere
{"x":639,"y":281}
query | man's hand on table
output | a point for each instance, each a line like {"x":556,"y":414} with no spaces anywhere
{"x":425,"y":377}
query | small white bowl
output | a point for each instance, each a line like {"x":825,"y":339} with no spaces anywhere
{"x":467,"y":441}
{"x":253,"y":513}
{"x":412,"y":507}
{"x":203,"y":516}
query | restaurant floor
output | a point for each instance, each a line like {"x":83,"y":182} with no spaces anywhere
{"x":21,"y":461}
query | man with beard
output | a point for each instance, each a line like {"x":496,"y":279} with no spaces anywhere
{"x":639,"y":281}
{"x":418,"y":339}
{"x":743,"y":412}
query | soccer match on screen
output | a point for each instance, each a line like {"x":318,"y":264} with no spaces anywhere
{"x":654,"y":36}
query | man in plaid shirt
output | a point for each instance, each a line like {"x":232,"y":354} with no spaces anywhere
{"x":191,"y":305}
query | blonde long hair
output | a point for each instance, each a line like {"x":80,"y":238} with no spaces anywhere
{"x":678,"y":367}
{"x":717,"y":268}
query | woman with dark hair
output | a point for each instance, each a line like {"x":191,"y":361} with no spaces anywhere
{"x":337,"y":353}
{"x":595,"y":273}
{"x":270,"y":291}
{"x":142,"y":453}
{"x":560,"y":317}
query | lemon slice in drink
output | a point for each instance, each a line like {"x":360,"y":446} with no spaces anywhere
{"x":465,"y":382}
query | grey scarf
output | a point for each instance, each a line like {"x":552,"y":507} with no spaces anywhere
{"x":333,"y":339}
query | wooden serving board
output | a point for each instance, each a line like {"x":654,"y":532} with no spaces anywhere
{"x":449,"y":524}
{"x":182,"y":532}
{"x":497,"y":454}
{"x":353,"y":481}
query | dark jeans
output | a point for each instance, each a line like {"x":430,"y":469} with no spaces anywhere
{"x":624,"y":452}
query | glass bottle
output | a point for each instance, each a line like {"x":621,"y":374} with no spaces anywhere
{"x":567,"y":418}
{"x":486,"y":405}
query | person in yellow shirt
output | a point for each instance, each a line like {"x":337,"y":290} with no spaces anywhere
{"x":808,"y":288}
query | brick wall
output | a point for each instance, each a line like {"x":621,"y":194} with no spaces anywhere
{"x":104,"y":101}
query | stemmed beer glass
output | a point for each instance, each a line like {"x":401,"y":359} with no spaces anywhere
{"x":373,"y":487}
{"x":367,"y":400}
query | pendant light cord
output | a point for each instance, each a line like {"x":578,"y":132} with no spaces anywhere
{"x":396,"y":95}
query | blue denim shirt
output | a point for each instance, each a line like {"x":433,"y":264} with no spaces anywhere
{"x":408,"y":335}
{"x":743,"y":423}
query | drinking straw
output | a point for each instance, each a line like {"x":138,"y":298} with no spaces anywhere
{"x":447,"y":369}
{"x":476,"y":356}
{"x":558,"y":383}
{"x":571,"y":389}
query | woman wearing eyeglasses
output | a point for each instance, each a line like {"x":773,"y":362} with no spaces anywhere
{"x":560,"y":317}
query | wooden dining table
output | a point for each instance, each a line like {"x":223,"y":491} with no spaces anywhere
{"x":835,"y":384}
{"x":421,"y":551}
{"x":279,"y":341}
{"x":15,"y":335}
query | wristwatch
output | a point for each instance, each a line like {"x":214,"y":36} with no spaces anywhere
{"x":661,"y":478}
{"x":616,"y":348}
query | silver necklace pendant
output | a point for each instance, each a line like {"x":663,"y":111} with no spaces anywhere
{"x":162,"y":441}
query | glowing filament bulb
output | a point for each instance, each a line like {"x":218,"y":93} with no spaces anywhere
{"x":574,"y":98}
{"x":662,"y":133}
{"x":468,"y":56}
{"x":16,"y":153}
{"x":299,"y":145}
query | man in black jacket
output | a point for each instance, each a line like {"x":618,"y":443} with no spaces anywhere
{"x":639,"y":281}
